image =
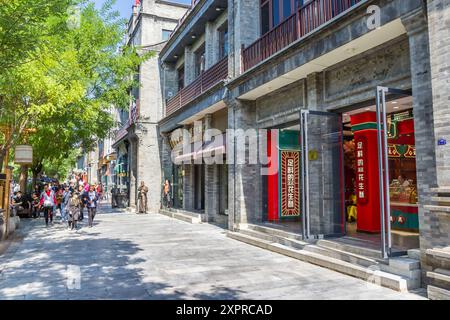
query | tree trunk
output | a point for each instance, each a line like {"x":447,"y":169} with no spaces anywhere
{"x":36,"y":170}
{"x":2,"y":159}
{"x":34,"y":182}
{"x":23,"y":178}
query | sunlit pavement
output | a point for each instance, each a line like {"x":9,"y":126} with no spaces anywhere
{"x":130,"y":256}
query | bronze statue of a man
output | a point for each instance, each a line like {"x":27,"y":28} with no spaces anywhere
{"x":142,"y":196}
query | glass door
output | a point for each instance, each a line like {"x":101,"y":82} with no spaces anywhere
{"x":397,"y":171}
{"x":322,"y":174}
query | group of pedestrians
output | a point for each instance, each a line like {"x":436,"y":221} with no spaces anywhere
{"x":69,"y":200}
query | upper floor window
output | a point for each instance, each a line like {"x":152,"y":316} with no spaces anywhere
{"x":166,"y":34}
{"x":223,"y":40}
{"x":180,"y":78}
{"x":200,"y":60}
{"x":273,"y":12}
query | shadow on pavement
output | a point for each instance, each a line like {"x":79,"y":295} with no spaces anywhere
{"x":84,"y":266}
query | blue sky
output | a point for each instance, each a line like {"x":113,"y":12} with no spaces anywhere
{"x":124,"y":6}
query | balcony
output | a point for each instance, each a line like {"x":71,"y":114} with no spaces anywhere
{"x":306,"y":19}
{"x":134,"y":116}
{"x":203,"y":83}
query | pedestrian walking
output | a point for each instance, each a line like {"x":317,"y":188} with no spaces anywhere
{"x":92,"y":205}
{"x":36,"y":212}
{"x":59,"y":193}
{"x":65,"y":202}
{"x":48,"y":202}
{"x":167,"y":193}
{"x":83,"y":199}
{"x":73,"y":209}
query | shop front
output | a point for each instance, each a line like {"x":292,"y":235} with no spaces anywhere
{"x":348,"y":176}
{"x":380,"y":173}
{"x":121,"y":191}
{"x":282,"y":185}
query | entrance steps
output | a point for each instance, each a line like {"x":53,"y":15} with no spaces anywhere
{"x":439,"y":258}
{"x":183,"y":215}
{"x":439,"y":277}
{"x":401,"y":274}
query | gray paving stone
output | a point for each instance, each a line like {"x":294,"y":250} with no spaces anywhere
{"x":129,"y":256}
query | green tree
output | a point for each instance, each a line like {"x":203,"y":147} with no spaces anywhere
{"x":66,"y":90}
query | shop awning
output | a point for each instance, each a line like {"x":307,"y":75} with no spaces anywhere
{"x":186,"y":154}
{"x":216,"y":146}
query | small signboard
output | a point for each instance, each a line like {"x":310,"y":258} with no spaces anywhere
{"x":24,"y":154}
{"x":442,"y":142}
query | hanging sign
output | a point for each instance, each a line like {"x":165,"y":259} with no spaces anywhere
{"x":361,"y":170}
{"x":23,"y":154}
{"x":290,"y":196}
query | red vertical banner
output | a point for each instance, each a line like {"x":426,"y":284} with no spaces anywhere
{"x":362,"y":176}
{"x":272,"y":180}
{"x":290,"y":193}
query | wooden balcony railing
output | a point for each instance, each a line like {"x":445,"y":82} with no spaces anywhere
{"x":133,"y":117}
{"x":305,"y":20}
{"x":205,"y":81}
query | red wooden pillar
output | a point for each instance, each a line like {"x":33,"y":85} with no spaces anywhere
{"x":272,"y":180}
{"x":367,"y":173}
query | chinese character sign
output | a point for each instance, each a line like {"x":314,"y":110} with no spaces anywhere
{"x":361,"y":171}
{"x":290,"y":197}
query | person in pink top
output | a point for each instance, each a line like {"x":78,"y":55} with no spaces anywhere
{"x":86,"y":187}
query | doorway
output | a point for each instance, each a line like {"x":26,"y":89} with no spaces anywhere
{"x":199,"y":187}
{"x":380,"y":183}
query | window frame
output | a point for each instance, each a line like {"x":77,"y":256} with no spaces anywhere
{"x":281,"y":17}
{"x":222,"y":43}
{"x":199,"y":60}
{"x":168,"y":35}
{"x":181,"y":71}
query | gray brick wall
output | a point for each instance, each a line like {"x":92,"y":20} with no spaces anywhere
{"x":243,"y":27}
{"x":188,"y":187}
{"x":245,"y":184}
{"x":439,"y":35}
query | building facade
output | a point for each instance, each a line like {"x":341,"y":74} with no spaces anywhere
{"x":136,"y":142}
{"x":344,"y":106}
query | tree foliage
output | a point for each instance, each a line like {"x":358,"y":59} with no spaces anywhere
{"x":62,"y":74}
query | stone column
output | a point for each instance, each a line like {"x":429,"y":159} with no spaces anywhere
{"x":133,"y":173}
{"x":245,"y":187}
{"x":416,"y":27}
{"x":244,"y":29}
{"x":211,"y":180}
{"x":439,"y":43}
{"x":210,"y":45}
{"x":314,"y":91}
{"x":188,"y":179}
{"x":189,"y":66}
{"x":188,"y":187}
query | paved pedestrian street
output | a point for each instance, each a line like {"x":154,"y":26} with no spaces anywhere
{"x":129,"y":256}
